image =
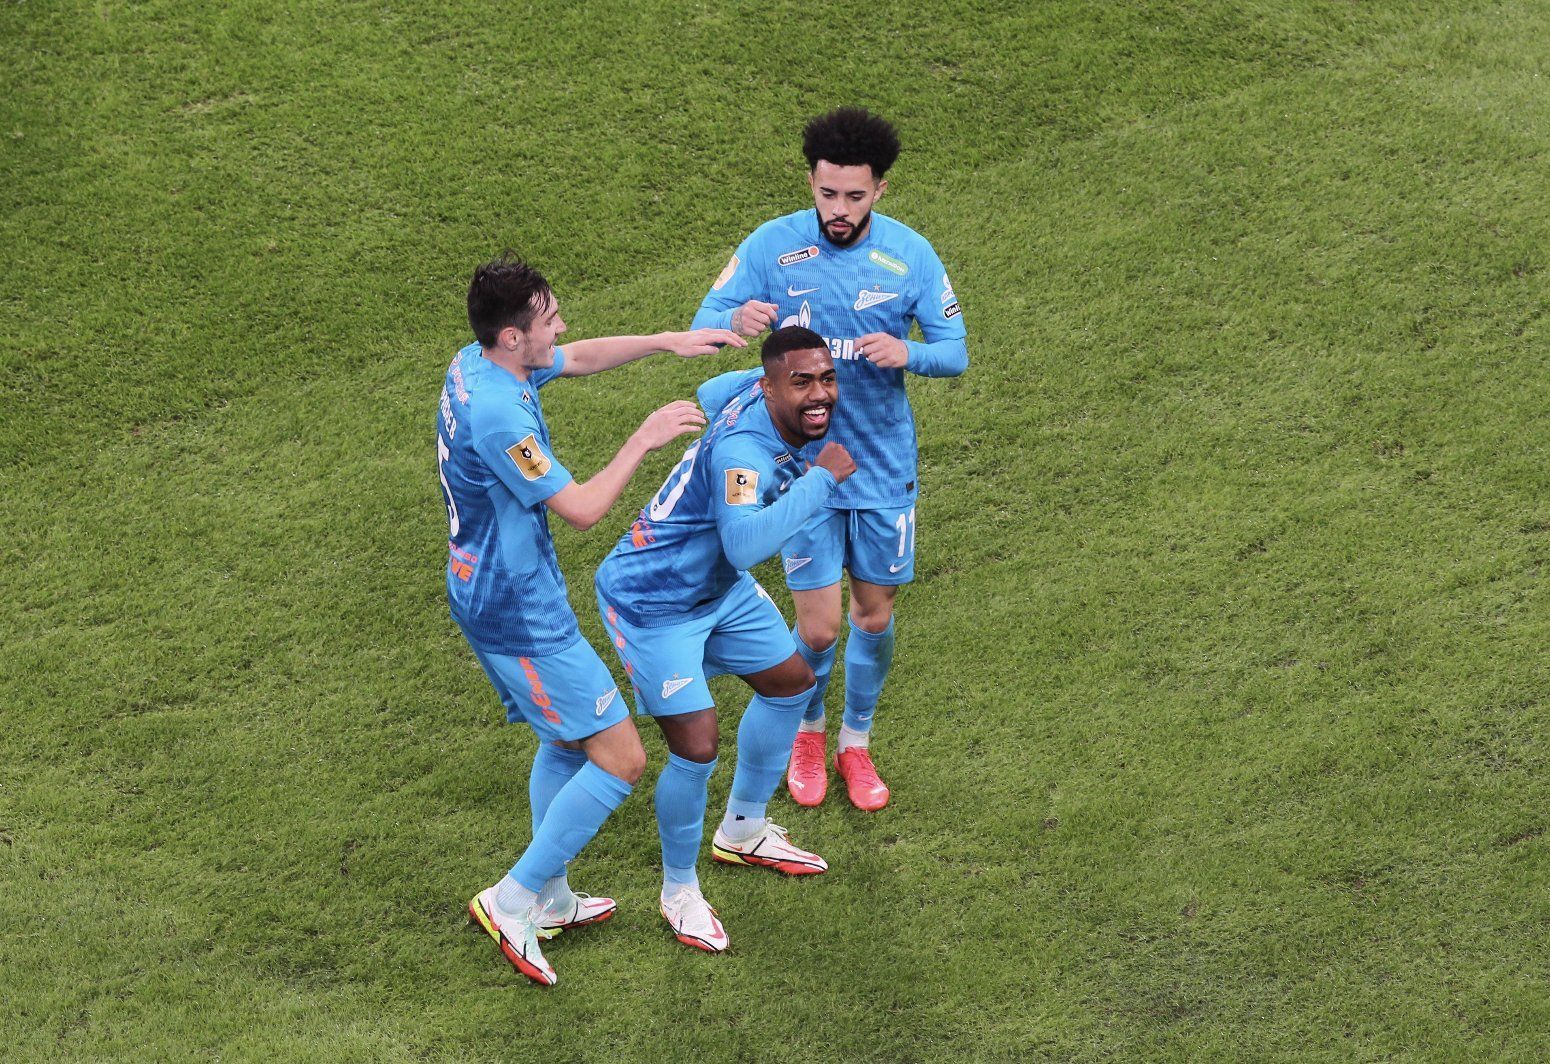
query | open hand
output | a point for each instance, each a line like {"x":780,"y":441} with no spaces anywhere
{"x":700,"y":342}
{"x":669,"y":423}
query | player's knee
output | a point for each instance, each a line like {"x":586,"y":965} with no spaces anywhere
{"x":700,"y":749}
{"x":630,"y":765}
{"x":695,"y":745}
{"x":873,"y":617}
{"x":819,"y":636}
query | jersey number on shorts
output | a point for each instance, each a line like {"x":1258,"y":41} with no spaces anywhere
{"x":442,"y":454}
{"x":673,"y":487}
{"x":906,"y":527}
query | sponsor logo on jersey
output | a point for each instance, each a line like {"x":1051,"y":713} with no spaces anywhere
{"x":782,"y":459}
{"x":793,"y":564}
{"x":530,"y":457}
{"x":672,"y":687}
{"x":866,"y":300}
{"x":888,"y":262}
{"x":791,"y":258}
{"x":527,"y":397}
{"x":842,"y":349}
{"x":951,"y":311}
{"x":793,"y":291}
{"x":947,"y":290}
{"x":802,"y":317}
{"x":742,"y":487}
{"x":726,"y":275}
{"x":604,"y":701}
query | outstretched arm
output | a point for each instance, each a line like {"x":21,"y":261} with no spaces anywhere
{"x":583,"y":505}
{"x":583,"y":357}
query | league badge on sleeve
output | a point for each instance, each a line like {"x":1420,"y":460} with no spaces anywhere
{"x":530,"y":457}
{"x":726,"y":275}
{"x":742,"y":487}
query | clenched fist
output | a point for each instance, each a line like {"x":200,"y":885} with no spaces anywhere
{"x":836,"y":460}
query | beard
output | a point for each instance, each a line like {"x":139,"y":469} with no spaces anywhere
{"x":851,"y":236}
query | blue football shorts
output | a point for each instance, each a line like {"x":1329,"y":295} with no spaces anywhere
{"x":669,"y":664}
{"x":877,"y":546}
{"x":570,"y":695}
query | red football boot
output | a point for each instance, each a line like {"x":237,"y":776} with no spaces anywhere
{"x":807,"y":777}
{"x":867,"y":790}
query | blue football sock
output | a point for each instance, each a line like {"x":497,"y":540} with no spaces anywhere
{"x":680,"y":804}
{"x":573,"y":818}
{"x":553,"y":766}
{"x":867,"y":658}
{"x":764,"y":738}
{"x":822,"y":663}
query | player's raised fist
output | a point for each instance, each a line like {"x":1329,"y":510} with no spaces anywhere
{"x":753,"y":317}
{"x":700,"y":342}
{"x":836,"y":460}
{"x":668,"y":423}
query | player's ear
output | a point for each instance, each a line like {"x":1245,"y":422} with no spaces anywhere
{"x":882,"y":186}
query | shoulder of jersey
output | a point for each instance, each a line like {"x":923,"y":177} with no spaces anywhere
{"x":750,"y":417}
{"x":787,"y":233}
{"x":895,"y":230}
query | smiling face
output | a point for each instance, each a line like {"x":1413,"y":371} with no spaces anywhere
{"x":534,"y":346}
{"x":800,"y":390}
{"x":844,"y":196}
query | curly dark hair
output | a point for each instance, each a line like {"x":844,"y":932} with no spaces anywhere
{"x":782,"y":342}
{"x":851,"y":136}
{"x":505,"y":291}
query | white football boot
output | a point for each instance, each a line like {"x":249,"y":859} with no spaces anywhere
{"x":693,"y":920}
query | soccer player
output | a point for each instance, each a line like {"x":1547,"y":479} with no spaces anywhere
{"x":681,"y":607}
{"x":501,"y":476}
{"x":859,"y":278}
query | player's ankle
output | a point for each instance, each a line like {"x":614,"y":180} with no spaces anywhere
{"x":849,"y":737}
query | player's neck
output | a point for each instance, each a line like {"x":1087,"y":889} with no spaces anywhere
{"x":796,"y":443}
{"x":506,"y":360}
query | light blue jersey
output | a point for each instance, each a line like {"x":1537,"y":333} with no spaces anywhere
{"x":737,"y":494}
{"x":882,"y":283}
{"x":497,"y":468}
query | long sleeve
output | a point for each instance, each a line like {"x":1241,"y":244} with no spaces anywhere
{"x":748,"y":535}
{"x":738,"y":283}
{"x":946,"y":358}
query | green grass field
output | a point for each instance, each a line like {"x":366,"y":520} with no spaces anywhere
{"x":1218,"y":728}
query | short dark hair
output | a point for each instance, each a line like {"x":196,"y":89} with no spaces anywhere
{"x":505,"y":291}
{"x":851,"y":136}
{"x":782,"y":342}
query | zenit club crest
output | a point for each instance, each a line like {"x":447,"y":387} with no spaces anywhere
{"x":529,"y":457}
{"x":742,"y":487}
